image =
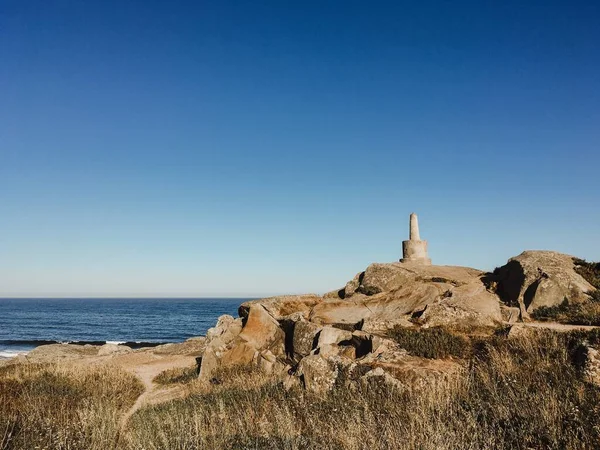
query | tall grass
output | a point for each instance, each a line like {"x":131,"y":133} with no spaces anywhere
{"x":520,"y":393}
{"x":516,"y":393}
{"x":54,"y":407}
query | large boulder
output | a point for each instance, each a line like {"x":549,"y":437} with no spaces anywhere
{"x":318,"y":374}
{"x":263,"y":331}
{"x":396,"y":294}
{"x":305,"y":335}
{"x":259,"y":341}
{"x":540,"y":278}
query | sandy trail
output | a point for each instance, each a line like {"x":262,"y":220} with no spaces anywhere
{"x":556,"y":326}
{"x":146,"y":367}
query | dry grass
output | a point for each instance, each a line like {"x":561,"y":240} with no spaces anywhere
{"x":177,"y":375}
{"x":53,"y":407}
{"x":520,"y":393}
{"x":517,"y":393}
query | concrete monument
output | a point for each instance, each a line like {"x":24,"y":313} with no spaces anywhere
{"x":414,"y":250}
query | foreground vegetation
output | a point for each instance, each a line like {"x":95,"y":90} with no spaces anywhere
{"x":526,"y":392}
{"x":53,"y":407}
{"x":518,"y":393}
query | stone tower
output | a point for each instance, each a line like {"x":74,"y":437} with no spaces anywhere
{"x":414,"y":250}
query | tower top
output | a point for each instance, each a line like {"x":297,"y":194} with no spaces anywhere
{"x":414,"y":228}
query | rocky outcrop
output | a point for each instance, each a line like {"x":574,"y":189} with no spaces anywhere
{"x":396,"y":294}
{"x":540,"y":278}
{"x":258,"y":341}
{"x":317,"y":341}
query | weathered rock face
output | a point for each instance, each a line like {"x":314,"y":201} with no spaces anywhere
{"x":259,"y":342}
{"x":393,"y":294}
{"x":279,"y":307}
{"x":317,"y":373}
{"x":226,"y":329}
{"x":262,"y":331}
{"x":540,"y":278}
{"x":305,"y":336}
{"x":113,"y":349}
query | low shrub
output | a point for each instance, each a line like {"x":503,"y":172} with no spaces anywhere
{"x":434,"y":342}
{"x":575,"y":314}
{"x":588,"y":270}
{"x":177,"y":375}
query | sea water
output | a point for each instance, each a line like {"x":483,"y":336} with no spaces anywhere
{"x":28,"y":323}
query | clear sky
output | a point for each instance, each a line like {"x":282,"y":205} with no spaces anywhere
{"x":261,"y":147}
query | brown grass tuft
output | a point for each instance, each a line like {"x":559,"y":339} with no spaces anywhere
{"x":177,"y":375}
{"x":52,"y":407}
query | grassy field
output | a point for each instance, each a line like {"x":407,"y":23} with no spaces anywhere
{"x":518,"y":393}
{"x":53,"y":407}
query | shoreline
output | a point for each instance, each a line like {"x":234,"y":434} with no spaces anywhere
{"x":10,"y":349}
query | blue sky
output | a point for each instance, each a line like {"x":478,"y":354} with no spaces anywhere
{"x":252,"y":148}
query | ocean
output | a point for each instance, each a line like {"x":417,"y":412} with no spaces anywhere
{"x":28,"y":323}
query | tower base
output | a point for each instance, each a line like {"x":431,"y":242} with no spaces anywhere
{"x":415,"y":252}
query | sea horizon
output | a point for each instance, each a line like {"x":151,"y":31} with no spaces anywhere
{"x":28,"y":322}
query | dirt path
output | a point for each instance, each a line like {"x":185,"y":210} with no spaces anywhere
{"x":556,"y":326}
{"x":146,"y":367}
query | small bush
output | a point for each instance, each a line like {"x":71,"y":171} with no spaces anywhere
{"x":431,"y":342}
{"x":177,"y":375}
{"x":574,"y":314}
{"x":588,"y":270}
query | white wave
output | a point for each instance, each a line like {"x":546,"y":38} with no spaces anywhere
{"x":115,"y":342}
{"x":5,"y":354}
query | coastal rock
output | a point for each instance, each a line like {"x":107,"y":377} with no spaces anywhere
{"x":510,"y":314}
{"x":57,"y":352}
{"x":304,"y":337}
{"x":353,"y":285}
{"x":333,"y":336}
{"x":190,"y":347}
{"x":279,"y":307}
{"x":317,"y":373}
{"x":113,"y":349}
{"x":226,"y":329}
{"x":349,"y":313}
{"x":262,"y":331}
{"x":540,"y":278}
